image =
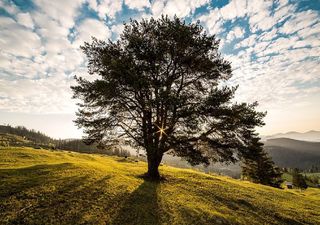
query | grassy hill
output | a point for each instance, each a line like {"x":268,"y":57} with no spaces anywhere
{"x":13,"y":140}
{"x":20,"y":136}
{"x":55,"y":187}
{"x":27,"y":134}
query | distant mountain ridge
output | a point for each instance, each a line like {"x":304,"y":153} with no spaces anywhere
{"x":312,"y":135}
{"x":287,"y":152}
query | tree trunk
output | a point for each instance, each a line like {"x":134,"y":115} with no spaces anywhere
{"x":153,"y":167}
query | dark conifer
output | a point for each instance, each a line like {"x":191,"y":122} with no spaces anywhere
{"x":258,"y":167}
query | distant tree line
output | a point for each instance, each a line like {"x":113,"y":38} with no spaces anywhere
{"x":314,"y":169}
{"x":79,"y":146}
{"x":33,"y":138}
{"x":29,"y":134}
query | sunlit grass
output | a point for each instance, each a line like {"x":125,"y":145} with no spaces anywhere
{"x":55,"y":187}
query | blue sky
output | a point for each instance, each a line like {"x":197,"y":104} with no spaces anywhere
{"x":274,"y":48}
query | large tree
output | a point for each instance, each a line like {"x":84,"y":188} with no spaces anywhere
{"x":162,"y":85}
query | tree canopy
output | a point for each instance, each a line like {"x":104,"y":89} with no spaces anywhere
{"x":162,"y":85}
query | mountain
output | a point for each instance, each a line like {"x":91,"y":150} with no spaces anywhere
{"x":311,"y":135}
{"x":291,"y":153}
{"x":58,"y":187}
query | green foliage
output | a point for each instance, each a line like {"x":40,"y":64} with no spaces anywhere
{"x":259,"y":168}
{"x":161,"y":86}
{"x":55,"y":187}
{"x":298,"y":180}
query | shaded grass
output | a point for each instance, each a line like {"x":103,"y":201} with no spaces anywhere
{"x":52,"y":187}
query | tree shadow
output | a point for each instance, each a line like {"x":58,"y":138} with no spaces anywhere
{"x":60,"y":194}
{"x":15,"y":181}
{"x":141,"y":206}
{"x":48,"y":194}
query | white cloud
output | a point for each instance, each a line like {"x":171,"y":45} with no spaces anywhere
{"x":64,"y":12}
{"x":52,"y":95}
{"x":260,"y":17}
{"x":283,"y":11}
{"x":300,"y":21}
{"x":282,"y":61}
{"x":234,"y":9}
{"x":310,"y":31}
{"x":49,"y":27}
{"x":25,"y":20}
{"x":235,"y":33}
{"x":212,"y":21}
{"x":36,"y":66}
{"x":273,"y":78}
{"x":272,"y":82}
{"x":106,"y":7}
{"x":117,"y":29}
{"x":157,"y":8}
{"x":17,"y":40}
{"x":258,"y":11}
{"x":91,"y":28}
{"x":10,"y":8}
{"x":248,"y":42}
{"x":176,"y":7}
{"x":269,"y":35}
{"x":137,"y":4}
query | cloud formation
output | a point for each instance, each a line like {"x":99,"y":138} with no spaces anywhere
{"x":273,"y":46}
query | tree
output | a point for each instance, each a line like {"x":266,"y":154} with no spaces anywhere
{"x":162,"y":85}
{"x":298,"y":180}
{"x":258,"y":167}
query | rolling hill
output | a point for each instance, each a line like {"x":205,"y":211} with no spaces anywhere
{"x":14,"y":140}
{"x":57,"y":187}
{"x":291,"y":153}
{"x":21,"y":136}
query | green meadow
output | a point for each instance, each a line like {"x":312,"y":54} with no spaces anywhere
{"x":57,"y":187}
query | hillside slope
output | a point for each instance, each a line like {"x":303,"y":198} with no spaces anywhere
{"x":287,"y":152}
{"x":52,"y":187}
{"x":13,"y":140}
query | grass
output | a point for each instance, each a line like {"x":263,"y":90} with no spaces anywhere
{"x":56,"y":187}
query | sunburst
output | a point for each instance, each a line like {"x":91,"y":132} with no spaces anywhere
{"x":161,"y":131}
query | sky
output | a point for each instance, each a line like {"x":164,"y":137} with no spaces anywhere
{"x":274,"y":48}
